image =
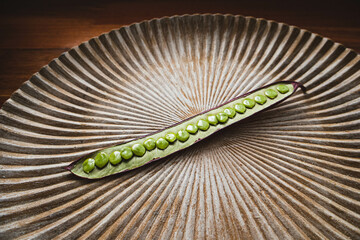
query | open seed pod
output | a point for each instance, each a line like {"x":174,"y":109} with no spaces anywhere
{"x":291,"y":171}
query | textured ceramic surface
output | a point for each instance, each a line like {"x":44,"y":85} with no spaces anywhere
{"x":292,"y":171}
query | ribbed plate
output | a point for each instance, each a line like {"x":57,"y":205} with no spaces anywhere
{"x":291,"y":172}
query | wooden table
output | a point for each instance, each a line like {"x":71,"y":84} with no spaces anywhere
{"x":34,"y":32}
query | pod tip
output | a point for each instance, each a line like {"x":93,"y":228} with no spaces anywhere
{"x":300,"y":85}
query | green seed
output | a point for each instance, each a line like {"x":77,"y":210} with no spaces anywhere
{"x":115,"y":157}
{"x":88,"y":165}
{"x":230,"y":112}
{"x":271,"y":93}
{"x":212,"y":120}
{"x":170,"y":137}
{"x":161,"y":143}
{"x":249,"y":103}
{"x":240,"y":108}
{"x":101,"y":159}
{"x":260,"y":99}
{"x":191,"y":128}
{"x":182,"y":135}
{"x":149,"y":144}
{"x":282,"y":88}
{"x":222,"y":117}
{"x":203,"y":125}
{"x":126,"y":153}
{"x":138,"y":149}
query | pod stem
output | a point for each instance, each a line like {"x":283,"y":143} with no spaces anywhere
{"x":299,"y":85}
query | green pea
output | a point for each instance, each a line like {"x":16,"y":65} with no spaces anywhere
{"x":101,"y":159}
{"x":138,"y":149}
{"x":249,"y":103}
{"x":115,"y":157}
{"x":260,"y":99}
{"x":88,"y":165}
{"x":191,"y":128}
{"x":271,"y":93}
{"x":149,"y":144}
{"x":161,"y":143}
{"x":182,"y":135}
{"x":230,"y":112}
{"x":222,"y":117}
{"x":203,"y":125}
{"x":240,"y":108}
{"x":282,"y":88}
{"x":126,"y":153}
{"x":212,"y":120}
{"x":170,"y":137}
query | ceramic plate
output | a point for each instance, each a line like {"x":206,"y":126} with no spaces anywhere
{"x":291,"y":172}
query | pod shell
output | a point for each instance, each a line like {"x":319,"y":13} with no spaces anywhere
{"x":157,"y":154}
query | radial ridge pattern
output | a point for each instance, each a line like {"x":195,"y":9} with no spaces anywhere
{"x":291,"y":172}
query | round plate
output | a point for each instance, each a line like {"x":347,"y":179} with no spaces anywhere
{"x":290,"y":172}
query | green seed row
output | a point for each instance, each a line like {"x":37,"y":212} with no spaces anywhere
{"x":102,"y":158}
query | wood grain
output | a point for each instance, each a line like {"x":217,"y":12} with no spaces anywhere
{"x":34,"y":32}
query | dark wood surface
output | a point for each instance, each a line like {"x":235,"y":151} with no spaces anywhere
{"x":35,"y":32}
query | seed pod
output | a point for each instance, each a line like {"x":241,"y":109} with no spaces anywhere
{"x":141,"y":151}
